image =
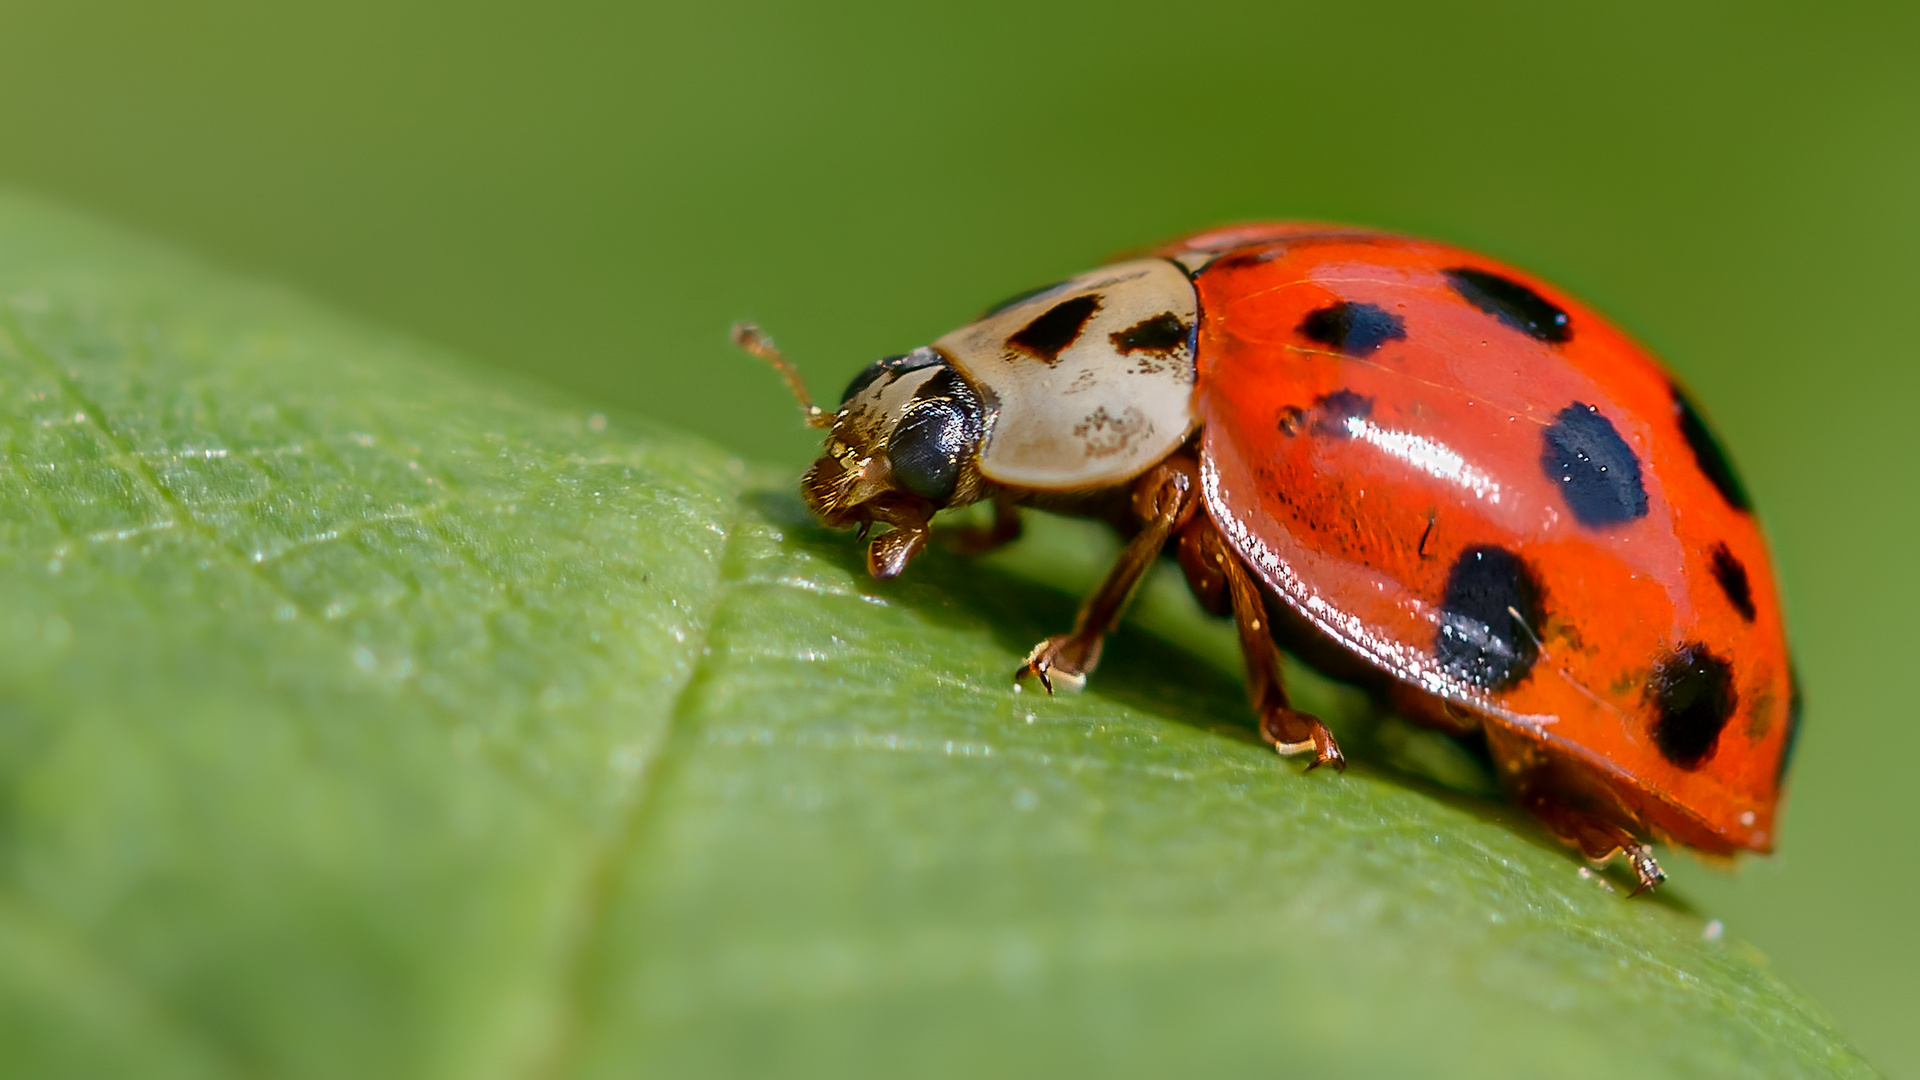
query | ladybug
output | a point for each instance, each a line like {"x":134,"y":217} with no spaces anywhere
{"x":1413,"y":466}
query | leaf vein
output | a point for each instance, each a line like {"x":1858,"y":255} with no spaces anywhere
{"x":599,"y":876}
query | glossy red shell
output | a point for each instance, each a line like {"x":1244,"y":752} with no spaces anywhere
{"x":1356,"y":481}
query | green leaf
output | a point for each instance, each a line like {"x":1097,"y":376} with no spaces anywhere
{"x":362,"y":713}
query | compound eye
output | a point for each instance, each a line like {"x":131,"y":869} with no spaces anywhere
{"x":926,"y":447}
{"x":936,"y":433}
{"x":889,"y":366}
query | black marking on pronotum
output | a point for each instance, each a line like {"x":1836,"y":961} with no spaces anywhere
{"x":1731,"y":573}
{"x":935,"y":433}
{"x":1162,"y":335}
{"x":1487,"y":617}
{"x":1352,"y":328}
{"x":1056,"y":328}
{"x":1332,"y":411}
{"x":889,"y":365}
{"x":1707,"y":453}
{"x":1595,"y":469}
{"x":1796,"y":704}
{"x":1693,"y":698}
{"x":1019,"y":297}
{"x":1512,"y":303}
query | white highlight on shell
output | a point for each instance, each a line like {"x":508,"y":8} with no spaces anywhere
{"x":1435,"y":459}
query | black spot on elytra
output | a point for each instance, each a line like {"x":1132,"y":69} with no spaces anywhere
{"x":1019,"y":297}
{"x":1693,"y":698}
{"x":1354,"y":329}
{"x":889,"y":365}
{"x":1292,"y":419}
{"x":1332,"y":411}
{"x":1162,"y":335}
{"x":1796,"y":704}
{"x":1731,"y":573}
{"x":1512,"y":303}
{"x":1058,"y":327}
{"x":1594,"y":468}
{"x":1487,"y":618}
{"x":1707,"y":453}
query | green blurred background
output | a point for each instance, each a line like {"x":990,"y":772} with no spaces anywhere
{"x":590,"y":193}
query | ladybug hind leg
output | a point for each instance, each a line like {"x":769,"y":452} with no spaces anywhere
{"x":1565,"y":799}
{"x":1221,"y":581}
{"x":1597,"y":839}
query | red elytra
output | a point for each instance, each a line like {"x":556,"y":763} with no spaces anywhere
{"x":1335,"y":526}
{"x":1448,"y":478}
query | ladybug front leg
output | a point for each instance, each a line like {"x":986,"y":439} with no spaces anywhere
{"x":1163,"y":500}
{"x":1210,"y":564}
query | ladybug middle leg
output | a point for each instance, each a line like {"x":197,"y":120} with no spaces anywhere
{"x":1213,"y":570}
{"x":980,"y":539}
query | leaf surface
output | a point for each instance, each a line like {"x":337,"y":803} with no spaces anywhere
{"x":363,"y":713}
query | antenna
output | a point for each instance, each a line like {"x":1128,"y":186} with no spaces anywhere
{"x":755,"y":340}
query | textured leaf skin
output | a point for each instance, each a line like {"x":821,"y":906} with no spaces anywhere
{"x":363,"y":714}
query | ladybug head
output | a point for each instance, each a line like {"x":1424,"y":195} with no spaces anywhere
{"x":902,"y":446}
